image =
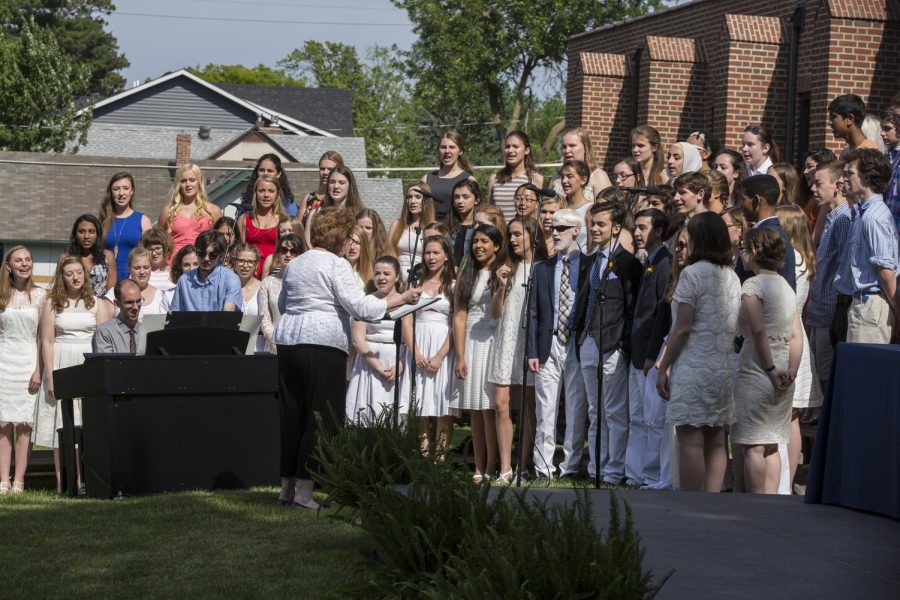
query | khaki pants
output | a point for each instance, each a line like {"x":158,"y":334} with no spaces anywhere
{"x":870,"y":321}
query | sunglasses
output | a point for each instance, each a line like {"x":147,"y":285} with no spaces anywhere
{"x":289,"y":250}
{"x":209,"y":255}
{"x":681,"y":246}
{"x":560,"y":228}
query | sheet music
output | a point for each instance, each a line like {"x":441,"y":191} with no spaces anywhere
{"x":402,"y":311}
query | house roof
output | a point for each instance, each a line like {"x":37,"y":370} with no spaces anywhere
{"x":328,"y":109}
{"x":286,"y":121}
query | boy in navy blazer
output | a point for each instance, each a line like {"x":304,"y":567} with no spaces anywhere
{"x":647,"y":411}
{"x":550,"y":346}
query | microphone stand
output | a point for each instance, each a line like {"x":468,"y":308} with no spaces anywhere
{"x":529,"y":281}
{"x":413,"y":280}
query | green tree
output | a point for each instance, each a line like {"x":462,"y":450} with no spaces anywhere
{"x":78,"y":26}
{"x":480,"y":58}
{"x":258,"y":75}
{"x":39,"y":88}
{"x":384,"y":111}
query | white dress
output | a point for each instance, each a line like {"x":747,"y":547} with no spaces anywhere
{"x":700,"y":384}
{"x":476,"y":392}
{"x":269,"y":290}
{"x":509,"y":342}
{"x":162,"y":280}
{"x":406,"y":253}
{"x":806,"y":387}
{"x":74,"y":329}
{"x":433,"y":390}
{"x":18,"y":356}
{"x":762,"y":413}
{"x":368,"y":394}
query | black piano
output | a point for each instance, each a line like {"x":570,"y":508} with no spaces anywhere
{"x":171,"y":423}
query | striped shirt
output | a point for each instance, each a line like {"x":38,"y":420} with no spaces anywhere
{"x":892,"y":195}
{"x":822,"y":294}
{"x":503,"y":195}
{"x":872,"y":246}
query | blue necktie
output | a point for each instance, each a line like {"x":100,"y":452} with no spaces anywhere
{"x":596,"y":276}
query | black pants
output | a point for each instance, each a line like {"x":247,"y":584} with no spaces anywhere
{"x":312,"y":380}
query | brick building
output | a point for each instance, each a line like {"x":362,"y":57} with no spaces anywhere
{"x":718,"y":65}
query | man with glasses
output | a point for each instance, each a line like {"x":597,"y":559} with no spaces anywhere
{"x":550,"y":346}
{"x":120,"y":335}
{"x":211,"y":286}
{"x":867,"y":274}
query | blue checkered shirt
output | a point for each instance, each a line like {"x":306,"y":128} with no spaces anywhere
{"x":892,"y":193}
{"x":822,"y":294}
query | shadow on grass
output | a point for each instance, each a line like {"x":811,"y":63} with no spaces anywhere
{"x":194,"y":544}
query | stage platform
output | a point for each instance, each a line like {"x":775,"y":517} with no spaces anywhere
{"x":741,"y":546}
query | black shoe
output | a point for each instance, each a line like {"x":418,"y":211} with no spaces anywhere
{"x":541,"y":479}
{"x":569,"y":477}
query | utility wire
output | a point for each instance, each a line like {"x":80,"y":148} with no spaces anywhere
{"x":269,"y":21}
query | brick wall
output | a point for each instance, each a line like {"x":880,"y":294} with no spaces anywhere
{"x":718,"y":65}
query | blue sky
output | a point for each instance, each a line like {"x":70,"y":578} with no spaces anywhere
{"x":185,"y":33}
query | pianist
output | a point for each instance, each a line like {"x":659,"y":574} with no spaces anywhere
{"x":120,"y":335}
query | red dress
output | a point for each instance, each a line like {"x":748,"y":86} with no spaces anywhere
{"x":263,"y":239}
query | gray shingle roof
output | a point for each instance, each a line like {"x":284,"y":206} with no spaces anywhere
{"x":325,"y":108}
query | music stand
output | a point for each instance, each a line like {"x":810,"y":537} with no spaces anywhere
{"x":199,"y":333}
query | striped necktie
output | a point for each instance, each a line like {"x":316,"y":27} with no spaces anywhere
{"x":132,"y":343}
{"x":565,"y":301}
{"x":596,"y":276}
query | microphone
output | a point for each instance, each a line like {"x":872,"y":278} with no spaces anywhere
{"x":652,"y":190}
{"x":540,"y":191}
{"x":424,"y":194}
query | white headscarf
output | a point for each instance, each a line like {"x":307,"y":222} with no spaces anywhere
{"x":692,"y":159}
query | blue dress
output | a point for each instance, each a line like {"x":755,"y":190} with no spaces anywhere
{"x":123,"y":235}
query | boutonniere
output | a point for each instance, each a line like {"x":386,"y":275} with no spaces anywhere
{"x":611,"y":265}
{"x":649,"y":269}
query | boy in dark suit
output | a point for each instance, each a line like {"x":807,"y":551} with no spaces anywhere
{"x":648,"y":414}
{"x":550,"y":346}
{"x":604,"y":314}
{"x":759,"y":196}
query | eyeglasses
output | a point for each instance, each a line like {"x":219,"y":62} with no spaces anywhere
{"x":246,"y":261}
{"x":681,"y":245}
{"x":209,"y":255}
{"x":560,"y":228}
{"x":155,"y":249}
{"x":353,"y":242}
{"x":289,"y":250}
{"x":621,"y":176}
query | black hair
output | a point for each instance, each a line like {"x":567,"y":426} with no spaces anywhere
{"x":465,"y":284}
{"x":764,"y":186}
{"x":213,"y":238}
{"x":658,"y":219}
{"x":820,"y":156}
{"x":286,"y":192}
{"x":709,"y":240}
{"x":849,"y":105}
{"x":617,"y":212}
{"x":74,"y":249}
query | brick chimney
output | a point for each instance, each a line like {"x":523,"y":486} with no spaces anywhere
{"x":182,"y":148}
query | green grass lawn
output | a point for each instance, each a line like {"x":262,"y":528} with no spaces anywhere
{"x":189,"y":545}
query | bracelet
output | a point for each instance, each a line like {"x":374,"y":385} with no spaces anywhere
{"x":772,"y":368}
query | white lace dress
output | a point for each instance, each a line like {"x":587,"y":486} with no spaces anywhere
{"x":74,"y":329}
{"x":700,"y":384}
{"x":409,"y":251}
{"x":476,"y":392}
{"x":267,"y":299}
{"x":806,"y":387}
{"x":762,"y":413}
{"x":509,"y":343}
{"x":18,"y":355}
{"x":433,"y":390}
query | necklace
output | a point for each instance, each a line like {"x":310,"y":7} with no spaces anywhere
{"x":119,"y":231}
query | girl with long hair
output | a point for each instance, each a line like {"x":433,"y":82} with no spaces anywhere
{"x":123,"y":225}
{"x":508,"y":355}
{"x":518,"y":168}
{"x":20,"y":363}
{"x":372,"y":224}
{"x":788,"y":181}
{"x":575,"y":144}
{"x":455,"y":168}
{"x":69,"y":317}
{"x":341,"y":192}
{"x":461,"y":219}
{"x":314,"y":200}
{"x":189,"y":210}
{"x":432,"y":348}
{"x":574,"y":176}
{"x":807,"y":393}
{"x":526,"y":202}
{"x":269,"y":165}
{"x":260,"y":227}
{"x":759,"y":150}
{"x":86,"y":242}
{"x":405,"y":235}
{"x":374,"y":374}
{"x":290,"y":246}
{"x":730,"y":163}
{"x":736,"y":222}
{"x":473,"y":339}
{"x":648,"y":151}
{"x":185,"y":261}
{"x":358,"y":252}
{"x":627,"y":173}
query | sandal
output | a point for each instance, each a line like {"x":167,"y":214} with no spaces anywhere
{"x":476,"y":479}
{"x":4,"y":488}
{"x":18,"y":487}
{"x":505,"y":478}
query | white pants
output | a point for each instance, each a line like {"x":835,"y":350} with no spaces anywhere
{"x":560,"y":367}
{"x":637,"y":428}
{"x":870,"y":321}
{"x":614,"y":410}
{"x":661,"y":469}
